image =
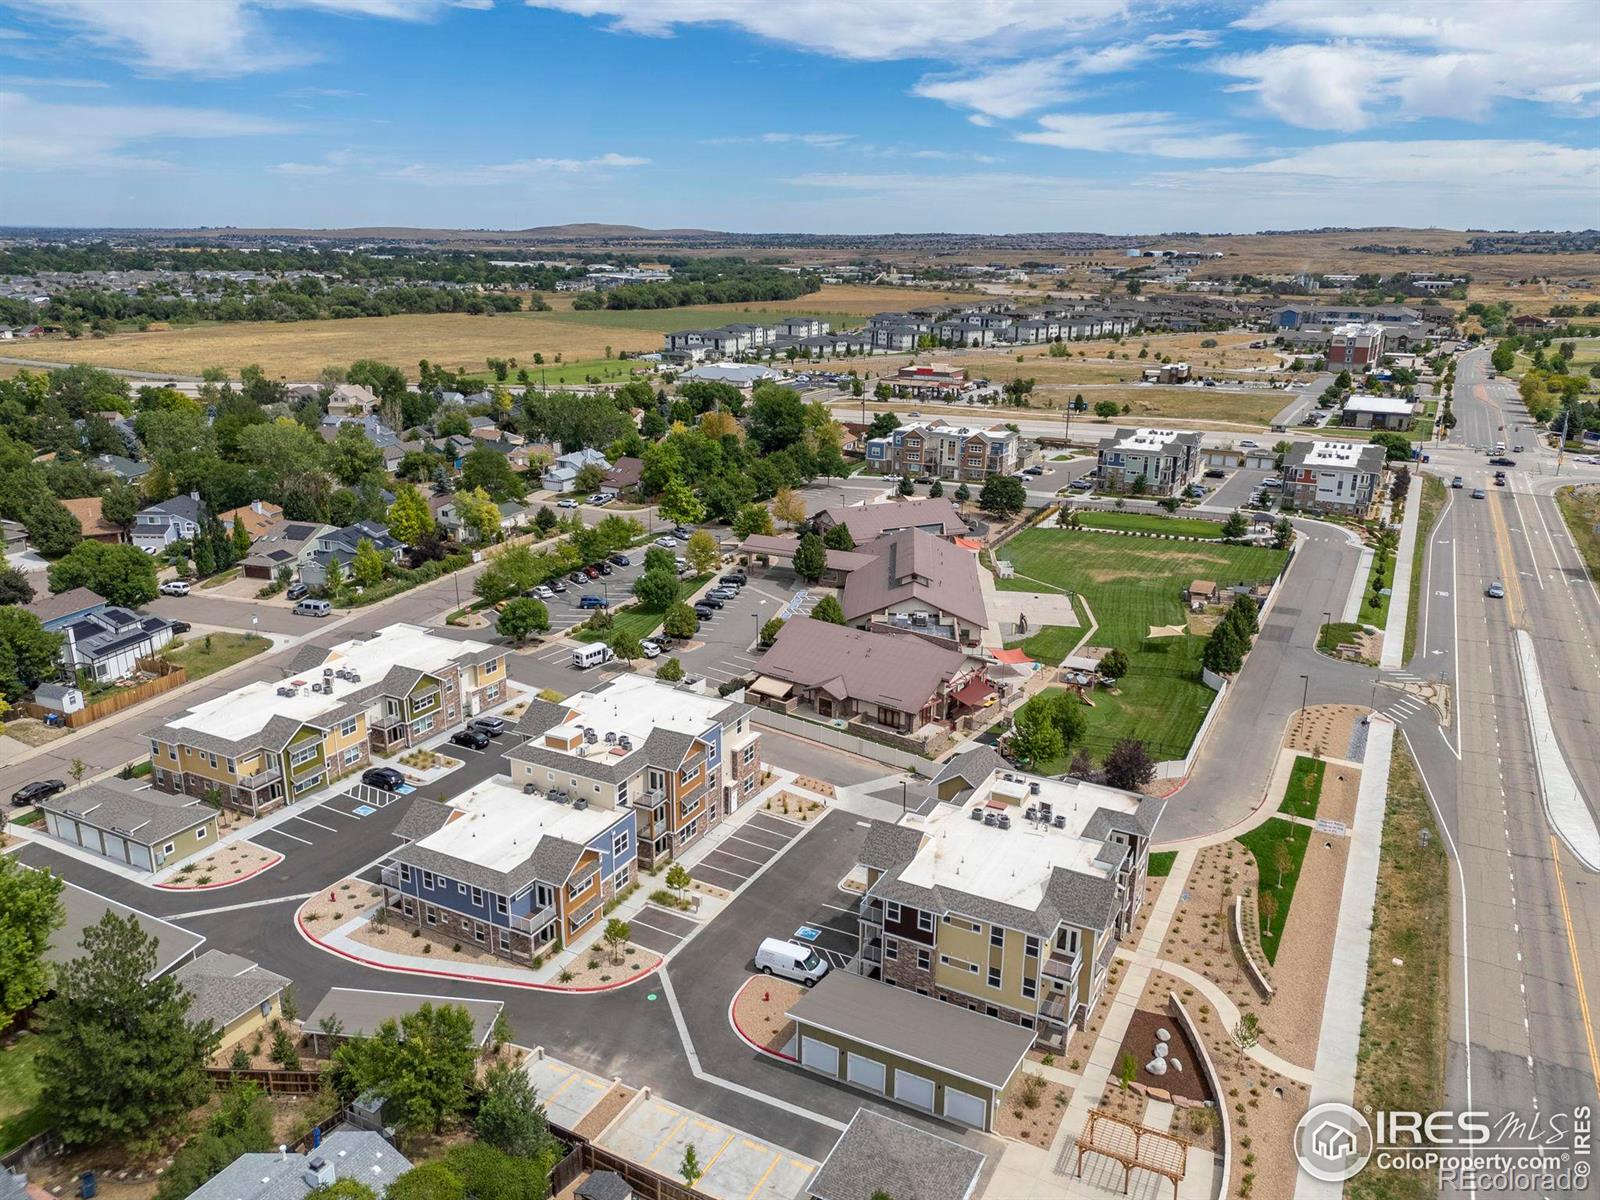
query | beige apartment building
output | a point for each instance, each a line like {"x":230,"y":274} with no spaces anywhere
{"x":266,"y":744}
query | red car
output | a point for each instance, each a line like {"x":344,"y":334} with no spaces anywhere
{"x":592,"y":572}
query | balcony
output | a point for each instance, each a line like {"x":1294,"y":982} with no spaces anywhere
{"x":390,"y":874}
{"x":260,"y":779}
{"x":533,"y":922}
{"x":1064,"y":967}
{"x":872,"y":913}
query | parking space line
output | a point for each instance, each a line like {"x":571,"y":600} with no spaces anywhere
{"x":854,"y":912}
{"x":786,"y":832}
{"x":739,"y":880}
{"x":318,"y":824}
{"x":738,"y":835}
{"x":672,"y":933}
{"x":327,"y":806}
{"x":666,"y":1141}
{"x":278,"y":829}
{"x":723,"y":849}
{"x":765,"y":1175}
{"x":722,"y":1149}
{"x":744,"y":832}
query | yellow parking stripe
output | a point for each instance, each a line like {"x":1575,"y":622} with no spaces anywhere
{"x":710,"y":1162}
{"x":682,"y":1121}
{"x":765,"y":1175}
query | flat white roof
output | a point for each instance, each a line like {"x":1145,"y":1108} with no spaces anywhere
{"x":1147,"y":439}
{"x":1335,"y":454}
{"x":501,"y":825}
{"x":1395,"y":405}
{"x":1357,"y":329}
{"x":634,"y":705}
{"x":1013,"y":866}
{"x":245,"y":710}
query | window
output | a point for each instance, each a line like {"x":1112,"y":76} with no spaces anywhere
{"x":421,"y":725}
{"x":405,"y":872}
{"x":427,"y":880}
{"x":461,"y":888}
{"x":924,"y":960}
{"x":925,"y":922}
{"x":172,"y":753}
{"x":997,"y":936}
{"x":500,"y":905}
{"x":491,"y":693}
{"x":477,"y":896}
{"x":266,"y":1008}
{"x":891,"y":911}
{"x":200,"y":834}
{"x":211,"y":761}
{"x":1030,"y":946}
{"x":347,"y":727}
{"x":1030,"y":986}
{"x":352,"y":754}
{"x":621,"y":879}
{"x":505,"y":942}
{"x":478,"y":931}
{"x":619,"y":843}
{"x":431,"y":913}
{"x":408,"y":906}
{"x":233,"y":768}
{"x":891,"y":949}
{"x":169,"y":848}
{"x":155,"y":750}
{"x":304,"y":754}
{"x":577,"y":887}
{"x":994,"y":977}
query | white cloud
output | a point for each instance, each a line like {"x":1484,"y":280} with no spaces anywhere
{"x":1314,"y":87}
{"x":1467,"y":164}
{"x":68,"y":137}
{"x":51,"y":81}
{"x":298,"y":169}
{"x":1006,"y":92}
{"x":1156,"y":133}
{"x":807,"y":139}
{"x":520,"y":170}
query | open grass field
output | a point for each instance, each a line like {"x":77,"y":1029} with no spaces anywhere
{"x":212,"y":652}
{"x":20,"y":1117}
{"x":1404,"y":1028}
{"x":1151,"y":523}
{"x":1132,"y":584}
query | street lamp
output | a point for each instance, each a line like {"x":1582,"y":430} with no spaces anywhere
{"x":1305,"y":691}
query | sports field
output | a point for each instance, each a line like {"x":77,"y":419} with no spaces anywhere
{"x":1132,"y":584}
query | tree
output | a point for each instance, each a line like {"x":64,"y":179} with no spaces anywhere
{"x":27,"y":652}
{"x":30,"y":910}
{"x":625,"y":645}
{"x":670,"y":671}
{"x":1243,"y":613}
{"x":751,"y":520}
{"x":410,"y":520}
{"x":679,"y":504}
{"x":14,"y":587}
{"x":510,"y":1117}
{"x":423,"y":1062}
{"x":690,"y":1168}
{"x":1115,"y":664}
{"x":123,"y":575}
{"x":789,"y":507}
{"x":521,"y":617}
{"x":777,"y":418}
{"x":1267,"y":905}
{"x":1503,"y":358}
{"x":1283,"y":534}
{"x":810,"y":558}
{"x":1106,"y":409}
{"x":616,"y":933}
{"x":590,"y":478}
{"x":490,"y":470}
{"x":1396,"y":446}
{"x":120,"y":1059}
{"x":343,"y":1189}
{"x":1128,"y":766}
{"x":1002,"y":496}
{"x":828,"y":609}
{"x":883,"y":424}
{"x":242,"y":1124}
{"x":905,"y":487}
{"x":1034,"y":736}
{"x":656,"y":590}
{"x":838,"y":537}
{"x":283,"y":1050}
{"x":680,"y":621}
{"x":1246,"y":1034}
{"x":1223,"y":653}
{"x":368,"y":565}
{"x":119,"y":504}
{"x":963,"y":493}
{"x":936,"y":489}
{"x":333,"y":578}
{"x":479,"y":514}
{"x":678,"y":878}
{"x":702,"y":552}
{"x":428,"y":1181}
{"x":1235,"y":527}
{"x":352,"y":456}
{"x":770,"y":631}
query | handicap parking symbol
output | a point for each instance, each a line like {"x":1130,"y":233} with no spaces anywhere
{"x":806,"y":933}
{"x":364,"y":810}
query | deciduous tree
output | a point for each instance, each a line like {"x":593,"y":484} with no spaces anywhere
{"x":522,"y":617}
{"x":702,"y":552}
{"x":30,"y":911}
{"x":1128,"y":766}
{"x":423,"y":1062}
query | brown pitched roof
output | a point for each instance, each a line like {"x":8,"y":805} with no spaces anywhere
{"x":867,"y":521}
{"x":916,"y":566}
{"x":255,"y":523}
{"x":86,"y":511}
{"x":903,"y":673}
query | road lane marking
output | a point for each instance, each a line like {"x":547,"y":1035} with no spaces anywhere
{"x":1577,"y":966}
{"x":227,"y":908}
{"x":278,"y":829}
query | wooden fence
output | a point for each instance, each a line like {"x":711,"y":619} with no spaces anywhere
{"x":167,"y":676}
{"x":274,"y":1082}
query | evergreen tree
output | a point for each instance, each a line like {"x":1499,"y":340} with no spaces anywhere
{"x":241,"y":539}
{"x":828,"y":609}
{"x":810,"y":558}
{"x":838,"y":538}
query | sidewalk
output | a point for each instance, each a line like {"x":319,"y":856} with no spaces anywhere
{"x":1394,"y":632}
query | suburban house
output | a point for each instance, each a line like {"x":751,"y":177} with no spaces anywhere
{"x":260,"y":517}
{"x":937,"y":448}
{"x":352,"y":400}
{"x":340,"y":545}
{"x":892,"y":681}
{"x":104,"y":639}
{"x":680,"y":759}
{"x":918,"y":581}
{"x":624,"y":475}
{"x":141,"y":829}
{"x":159,"y":525}
{"x":359,"y":1155}
{"x":13,"y":538}
{"x":1379,"y":412}
{"x":1333,"y":476}
{"x":233,"y":993}
{"x":126,"y":470}
{"x":1009,"y":898}
{"x":515,"y":871}
{"x":561,"y":476}
{"x":288,"y":544}
{"x":86,"y":511}
{"x":867,"y":521}
{"x":1167,"y":461}
{"x":1355,"y":348}
{"x":265,"y":743}
{"x":385,"y":440}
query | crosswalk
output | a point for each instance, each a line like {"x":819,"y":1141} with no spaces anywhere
{"x":1405,"y":708}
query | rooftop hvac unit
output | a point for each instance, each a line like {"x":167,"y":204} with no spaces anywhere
{"x":1033,"y":787}
{"x":1005,"y":821}
{"x":579,"y":803}
{"x":1061,"y":820}
{"x":354,"y":677}
{"x":611,"y":738}
{"x":327,"y":672}
{"x":625,"y":742}
{"x":288,"y":691}
{"x":989,"y":818}
{"x":977,"y":814}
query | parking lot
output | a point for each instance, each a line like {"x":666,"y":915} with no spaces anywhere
{"x":745,"y":851}
{"x":659,"y":929}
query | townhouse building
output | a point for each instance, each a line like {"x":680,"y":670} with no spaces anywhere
{"x":681,"y":760}
{"x":728,"y":341}
{"x":1333,"y":476}
{"x":1355,"y":348}
{"x":1166,"y":460}
{"x":969,"y":330}
{"x":1010,"y":897}
{"x":267,"y":743}
{"x":949,"y":451}
{"x":515,"y":871}
{"x":802,"y":327}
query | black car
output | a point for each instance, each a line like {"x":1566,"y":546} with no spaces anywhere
{"x":181,"y":627}
{"x":493,"y":726}
{"x":712,"y":600}
{"x":1500,"y":460}
{"x":387,"y":778}
{"x":474,"y":738}
{"x":704,"y":612}
{"x":736,"y":578}
{"x":621,"y":560}
{"x":39,"y":789}
{"x":605,"y":567}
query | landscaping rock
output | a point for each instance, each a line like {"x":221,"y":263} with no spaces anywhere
{"x":1160,"y":1094}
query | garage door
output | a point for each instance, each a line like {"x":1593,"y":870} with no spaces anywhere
{"x":139,"y":855}
{"x":116,"y":848}
{"x":915,"y":1090}
{"x":864,"y":1072}
{"x":819,"y":1056}
{"x":964,"y":1107}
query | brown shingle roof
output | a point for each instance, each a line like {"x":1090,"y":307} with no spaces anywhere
{"x":86,"y":511}
{"x":916,"y":566}
{"x":875,"y":668}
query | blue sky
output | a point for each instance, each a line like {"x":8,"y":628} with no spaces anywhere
{"x":807,"y":115}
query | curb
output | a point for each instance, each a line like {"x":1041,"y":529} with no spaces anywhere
{"x":211,"y":887}
{"x":745,"y":1037}
{"x":470,"y":978}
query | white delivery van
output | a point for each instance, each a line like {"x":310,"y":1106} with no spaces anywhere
{"x":585,"y":657}
{"x":790,"y":960}
{"x":313,"y":608}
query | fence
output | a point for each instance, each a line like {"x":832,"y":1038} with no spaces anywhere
{"x":36,"y":1149}
{"x":168,"y":676}
{"x":840,"y":740}
{"x":277,"y":1083}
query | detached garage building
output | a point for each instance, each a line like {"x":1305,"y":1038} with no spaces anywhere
{"x":915,"y":1050}
{"x":145,"y":829}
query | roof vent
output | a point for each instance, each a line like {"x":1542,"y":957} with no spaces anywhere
{"x":977,"y":813}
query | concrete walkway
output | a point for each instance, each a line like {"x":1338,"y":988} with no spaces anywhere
{"x":1405,"y":558}
{"x":1335,"y":1076}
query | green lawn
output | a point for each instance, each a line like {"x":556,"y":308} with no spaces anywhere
{"x":607,"y":370}
{"x":1151,"y":523}
{"x":20,"y":1117}
{"x":1050,"y":644}
{"x":1161,"y":863}
{"x":1132,"y":584}
{"x":1378,"y":614}
{"x":1261,"y":842}
{"x":1305,"y":787}
{"x":640,"y":622}
{"x":1331,"y":636}
{"x":212,"y":652}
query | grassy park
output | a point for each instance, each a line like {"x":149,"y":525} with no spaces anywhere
{"x":1132,"y":584}
{"x":640,"y":622}
{"x":1305,"y":788}
{"x":1153,"y":523}
{"x":1278,"y":872}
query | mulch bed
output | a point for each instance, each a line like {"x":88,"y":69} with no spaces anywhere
{"x":1140,"y":1041}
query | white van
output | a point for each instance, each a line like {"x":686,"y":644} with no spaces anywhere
{"x":585,"y":657}
{"x":313,"y":608}
{"x":790,"y":960}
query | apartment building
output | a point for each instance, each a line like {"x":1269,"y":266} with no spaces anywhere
{"x":511,"y":870}
{"x":268,"y":743}
{"x":682,"y":760}
{"x":1355,"y":348}
{"x":1167,"y":461}
{"x":960,"y":452}
{"x":1333,"y":476}
{"x":1009,"y":898}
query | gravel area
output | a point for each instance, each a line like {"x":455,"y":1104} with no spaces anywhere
{"x":1340,"y":785}
{"x":1325,"y":728}
{"x":1140,"y":1042}
{"x":1305,"y":950}
{"x":602,"y":1114}
{"x":1034,"y":1123}
{"x":761,"y":1010}
{"x":229,"y":862}
{"x":320,"y":914}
